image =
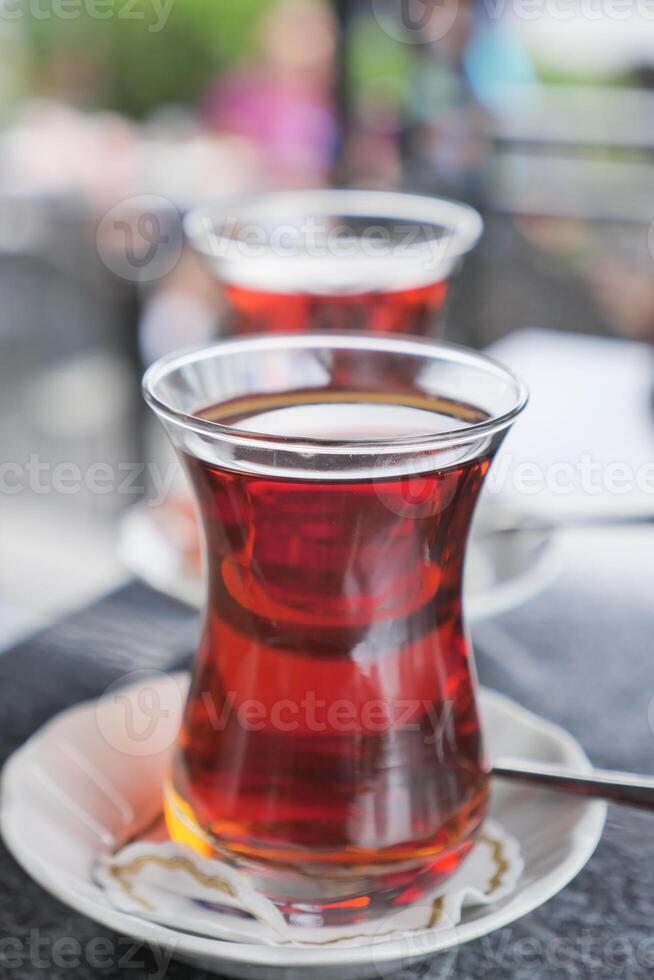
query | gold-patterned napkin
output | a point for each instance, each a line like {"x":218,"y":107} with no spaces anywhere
{"x":170,"y":884}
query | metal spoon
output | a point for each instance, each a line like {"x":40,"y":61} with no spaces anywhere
{"x":567,"y":521}
{"x":623,"y":788}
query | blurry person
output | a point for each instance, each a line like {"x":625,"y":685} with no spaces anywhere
{"x":466,"y":71}
{"x":281,"y":101}
{"x":462,"y":71}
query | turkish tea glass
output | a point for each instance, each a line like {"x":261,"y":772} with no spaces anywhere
{"x":330,"y":744}
{"x":335,"y":259}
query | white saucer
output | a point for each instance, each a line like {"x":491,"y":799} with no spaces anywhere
{"x":89,"y":780}
{"x":502,"y":571}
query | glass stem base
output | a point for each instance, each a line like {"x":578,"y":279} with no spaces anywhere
{"x":323,"y":896}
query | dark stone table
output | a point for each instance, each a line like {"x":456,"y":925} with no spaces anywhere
{"x":582,"y":654}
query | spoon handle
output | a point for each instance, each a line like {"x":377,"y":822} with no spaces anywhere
{"x":570,"y":522}
{"x":624,"y":788}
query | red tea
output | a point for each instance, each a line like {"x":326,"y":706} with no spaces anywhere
{"x":332,"y":725}
{"x":401,"y":311}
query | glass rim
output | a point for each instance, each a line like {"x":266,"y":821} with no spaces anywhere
{"x":240,"y":262}
{"x":353,"y":340}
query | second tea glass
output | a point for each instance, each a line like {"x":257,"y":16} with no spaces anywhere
{"x":335,"y":259}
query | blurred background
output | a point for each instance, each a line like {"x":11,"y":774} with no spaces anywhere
{"x":540,"y":113}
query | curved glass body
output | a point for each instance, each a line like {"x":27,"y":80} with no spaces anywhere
{"x":335,"y":259}
{"x":331,"y":742}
